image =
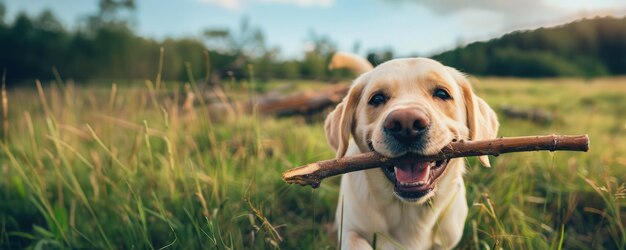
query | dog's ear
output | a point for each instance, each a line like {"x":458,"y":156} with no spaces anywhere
{"x":481,"y":119}
{"x":340,"y":121}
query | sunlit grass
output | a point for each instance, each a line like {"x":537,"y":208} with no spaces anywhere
{"x":137,"y":166}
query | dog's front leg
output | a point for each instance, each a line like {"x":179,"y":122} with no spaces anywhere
{"x":450,"y":227}
{"x":353,"y":241}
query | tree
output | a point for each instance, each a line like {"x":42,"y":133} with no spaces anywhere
{"x":248,"y":41}
{"x":3,"y":11}
{"x":48,"y":22}
{"x":246,"y":44}
{"x":112,"y":13}
{"x":587,"y":48}
{"x":317,"y":55}
{"x":381,"y":56}
{"x":110,"y":10}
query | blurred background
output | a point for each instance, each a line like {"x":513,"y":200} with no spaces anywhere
{"x":154,"y":124}
{"x":294,"y":39}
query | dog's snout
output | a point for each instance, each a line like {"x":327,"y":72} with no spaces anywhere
{"x":406,"y":125}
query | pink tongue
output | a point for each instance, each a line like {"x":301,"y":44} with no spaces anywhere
{"x":413,"y":172}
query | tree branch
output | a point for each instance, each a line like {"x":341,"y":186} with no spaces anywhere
{"x":312,"y":174}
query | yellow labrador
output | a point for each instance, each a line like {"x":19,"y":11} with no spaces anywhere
{"x":406,"y":105}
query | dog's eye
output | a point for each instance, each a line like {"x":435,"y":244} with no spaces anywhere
{"x":377,"y":99}
{"x":442,"y":94}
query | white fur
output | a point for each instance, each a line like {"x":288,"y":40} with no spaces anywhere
{"x":367,"y":204}
{"x":370,"y":208}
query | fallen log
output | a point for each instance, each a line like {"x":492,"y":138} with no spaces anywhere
{"x":312,"y":174}
{"x":535,"y":115}
{"x":312,"y":102}
{"x":303,"y":103}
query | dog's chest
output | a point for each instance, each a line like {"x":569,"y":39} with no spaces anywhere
{"x":412,"y":225}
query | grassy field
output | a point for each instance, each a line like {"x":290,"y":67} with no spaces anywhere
{"x":133,"y":167}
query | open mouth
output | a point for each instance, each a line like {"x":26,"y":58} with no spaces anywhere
{"x":414,"y":180}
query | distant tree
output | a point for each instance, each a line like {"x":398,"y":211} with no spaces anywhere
{"x":586,"y":48}
{"x":317,"y":56}
{"x":248,"y":40}
{"x":111,"y":10}
{"x":182,"y":52}
{"x":265,"y":66}
{"x":22,"y":24}
{"x":322,"y":45}
{"x":247,"y":43}
{"x":106,"y":47}
{"x":48,"y":22}
{"x":111,"y":13}
{"x":313,"y":66}
{"x":3,"y":11}
{"x":19,"y":40}
{"x":289,"y":69}
{"x":376,"y":57}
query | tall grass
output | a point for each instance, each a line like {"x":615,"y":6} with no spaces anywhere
{"x":139,"y":166}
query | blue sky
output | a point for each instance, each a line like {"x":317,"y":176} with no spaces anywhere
{"x":422,"y":27}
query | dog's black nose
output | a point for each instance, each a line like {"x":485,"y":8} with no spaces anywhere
{"x":406,"y":125}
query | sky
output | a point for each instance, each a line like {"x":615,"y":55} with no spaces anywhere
{"x":408,"y":27}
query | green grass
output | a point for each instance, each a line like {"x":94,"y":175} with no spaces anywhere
{"x":132,"y":167}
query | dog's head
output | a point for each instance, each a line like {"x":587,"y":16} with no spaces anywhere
{"x":412,"y":105}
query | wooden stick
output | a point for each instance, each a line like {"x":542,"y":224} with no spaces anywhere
{"x":312,"y":174}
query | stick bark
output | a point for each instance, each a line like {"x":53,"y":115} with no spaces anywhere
{"x":312,"y":174}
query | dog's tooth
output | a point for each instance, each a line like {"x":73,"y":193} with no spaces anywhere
{"x":414,"y":184}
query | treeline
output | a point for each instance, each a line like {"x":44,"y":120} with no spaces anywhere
{"x":585,"y":48}
{"x":37,"y":48}
{"x":105,"y":47}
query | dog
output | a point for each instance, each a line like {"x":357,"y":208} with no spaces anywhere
{"x":414,"y":105}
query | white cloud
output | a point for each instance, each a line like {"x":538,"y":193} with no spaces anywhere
{"x":501,"y":6}
{"x":238,"y":4}
{"x":489,"y":22}
{"x":502,"y":16}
